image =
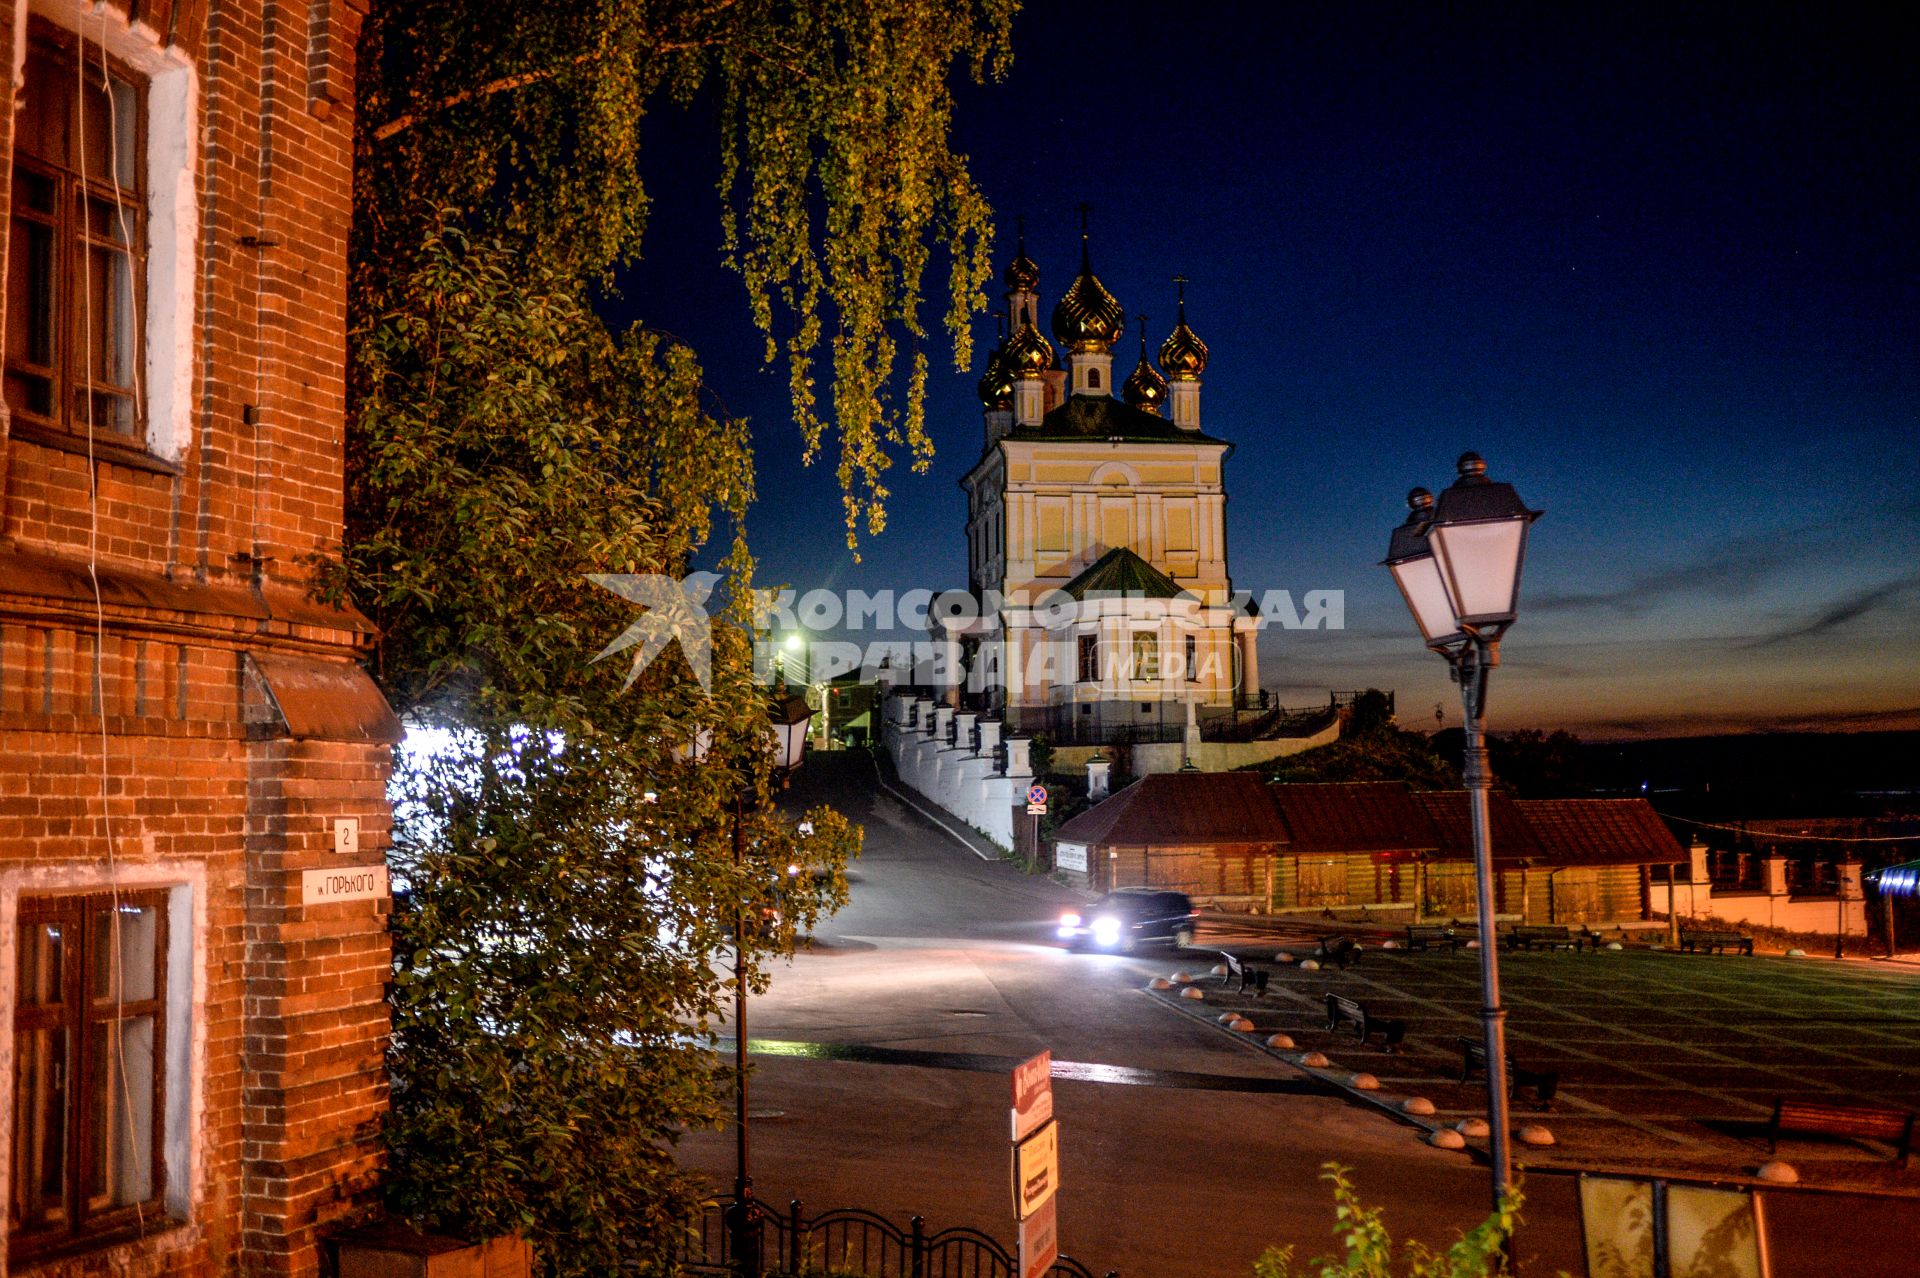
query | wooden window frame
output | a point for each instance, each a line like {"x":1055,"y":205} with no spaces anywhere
{"x":1087,"y":658}
{"x":84,"y":1017}
{"x":67,"y":426}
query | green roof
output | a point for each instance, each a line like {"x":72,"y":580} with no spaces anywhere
{"x":1120,"y":572}
{"x":1104,"y":417}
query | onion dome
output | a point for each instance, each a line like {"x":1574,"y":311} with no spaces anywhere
{"x":1028,"y":353}
{"x":996,"y":384}
{"x":1145,"y":389}
{"x":1022,"y":276}
{"x":1088,"y":318}
{"x":1183,"y":354}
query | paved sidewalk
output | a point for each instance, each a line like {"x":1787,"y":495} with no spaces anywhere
{"x":1668,"y":1063}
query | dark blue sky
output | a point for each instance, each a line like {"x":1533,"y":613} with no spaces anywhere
{"x":1658,"y":264}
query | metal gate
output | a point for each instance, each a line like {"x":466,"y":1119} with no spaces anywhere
{"x":856,"y":1241}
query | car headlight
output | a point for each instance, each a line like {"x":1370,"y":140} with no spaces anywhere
{"x":1069,"y":919}
{"x":1106,"y":930}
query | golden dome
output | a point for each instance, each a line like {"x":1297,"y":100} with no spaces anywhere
{"x":1088,"y":318}
{"x":1183,"y":354}
{"x":1145,"y":389}
{"x":1021,"y":276}
{"x":1029,"y":354}
{"x":996,"y":384}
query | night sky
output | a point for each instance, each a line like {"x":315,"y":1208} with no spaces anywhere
{"x":1658,"y":265}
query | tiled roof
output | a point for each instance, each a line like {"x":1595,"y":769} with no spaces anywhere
{"x":1601,"y":832}
{"x":1120,"y":572}
{"x":1211,"y":808}
{"x":1382,"y":818}
{"x":1512,"y":839}
{"x":1353,"y":816}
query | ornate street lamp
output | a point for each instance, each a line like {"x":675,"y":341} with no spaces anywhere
{"x":788,"y":715}
{"x":1457,"y":564}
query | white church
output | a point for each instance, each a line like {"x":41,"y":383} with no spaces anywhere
{"x":1098,"y":521}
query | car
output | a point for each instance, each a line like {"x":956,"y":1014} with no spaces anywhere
{"x":1126,"y":917}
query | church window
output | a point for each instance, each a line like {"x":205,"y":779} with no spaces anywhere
{"x":1146,"y":655}
{"x":1093,"y":378}
{"x":1193,"y":659}
{"x":1089,"y":659}
{"x":76,"y":266}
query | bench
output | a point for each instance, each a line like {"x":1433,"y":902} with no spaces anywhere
{"x":1692,"y":942}
{"x":1336,"y":949}
{"x":1345,"y":1011}
{"x":1858,"y":1122}
{"x":1473,"y":1060}
{"x":1432,"y":936}
{"x":1245,"y":972}
{"x":1550,"y":938}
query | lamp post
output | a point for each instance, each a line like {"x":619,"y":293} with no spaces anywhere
{"x":789,"y":715}
{"x":1457,"y":564}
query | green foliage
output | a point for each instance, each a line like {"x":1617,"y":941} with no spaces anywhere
{"x":569,"y":878}
{"x":568,"y":875}
{"x":1372,"y":712}
{"x":837,"y":180}
{"x":1539,"y":765}
{"x":1385,"y":754}
{"x":1369,"y":1251}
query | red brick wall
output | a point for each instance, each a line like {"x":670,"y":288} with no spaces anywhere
{"x":200,"y":561}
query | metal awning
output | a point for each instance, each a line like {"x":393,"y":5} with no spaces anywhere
{"x":1898,"y":880}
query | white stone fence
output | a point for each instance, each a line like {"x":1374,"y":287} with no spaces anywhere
{"x":1769,"y":905}
{"x":951,"y":758}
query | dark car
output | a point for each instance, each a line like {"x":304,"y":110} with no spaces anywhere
{"x":1126,"y":917}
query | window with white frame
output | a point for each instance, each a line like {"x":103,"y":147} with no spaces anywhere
{"x":89,"y":1078}
{"x":76,"y":261}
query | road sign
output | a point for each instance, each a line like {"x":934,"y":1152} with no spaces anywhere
{"x":1037,"y":796}
{"x":1039,"y":1242}
{"x":1032,"y":1095}
{"x":1036,"y":1170}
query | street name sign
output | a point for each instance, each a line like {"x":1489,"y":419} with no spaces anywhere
{"x":1036,"y":1170}
{"x":358,"y":883}
{"x":1032,"y":1095}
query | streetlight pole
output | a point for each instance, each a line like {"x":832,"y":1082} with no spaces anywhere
{"x":744,"y":1223}
{"x":1470,"y":666}
{"x":1457,"y":563}
{"x":743,"y":1216}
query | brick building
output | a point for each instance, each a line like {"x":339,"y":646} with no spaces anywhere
{"x":196,"y":985}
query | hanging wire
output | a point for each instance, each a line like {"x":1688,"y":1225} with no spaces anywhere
{"x":1810,"y":838}
{"x":116,"y":970}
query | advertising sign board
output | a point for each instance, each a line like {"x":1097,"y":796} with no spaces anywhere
{"x":1036,"y":1170}
{"x":1032,"y":1095}
{"x":1039,"y":1242}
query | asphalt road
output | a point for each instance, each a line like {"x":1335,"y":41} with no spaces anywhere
{"x":880,"y":1081}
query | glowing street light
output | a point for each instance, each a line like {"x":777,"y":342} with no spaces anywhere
{"x":1457,"y":563}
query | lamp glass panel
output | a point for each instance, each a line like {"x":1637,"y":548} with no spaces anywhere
{"x":789,"y":739}
{"x":1426,"y":596}
{"x":1480,"y":566}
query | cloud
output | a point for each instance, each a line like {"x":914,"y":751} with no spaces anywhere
{"x":1737,"y":566}
{"x":1855,"y":606}
{"x":1893,"y":718}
